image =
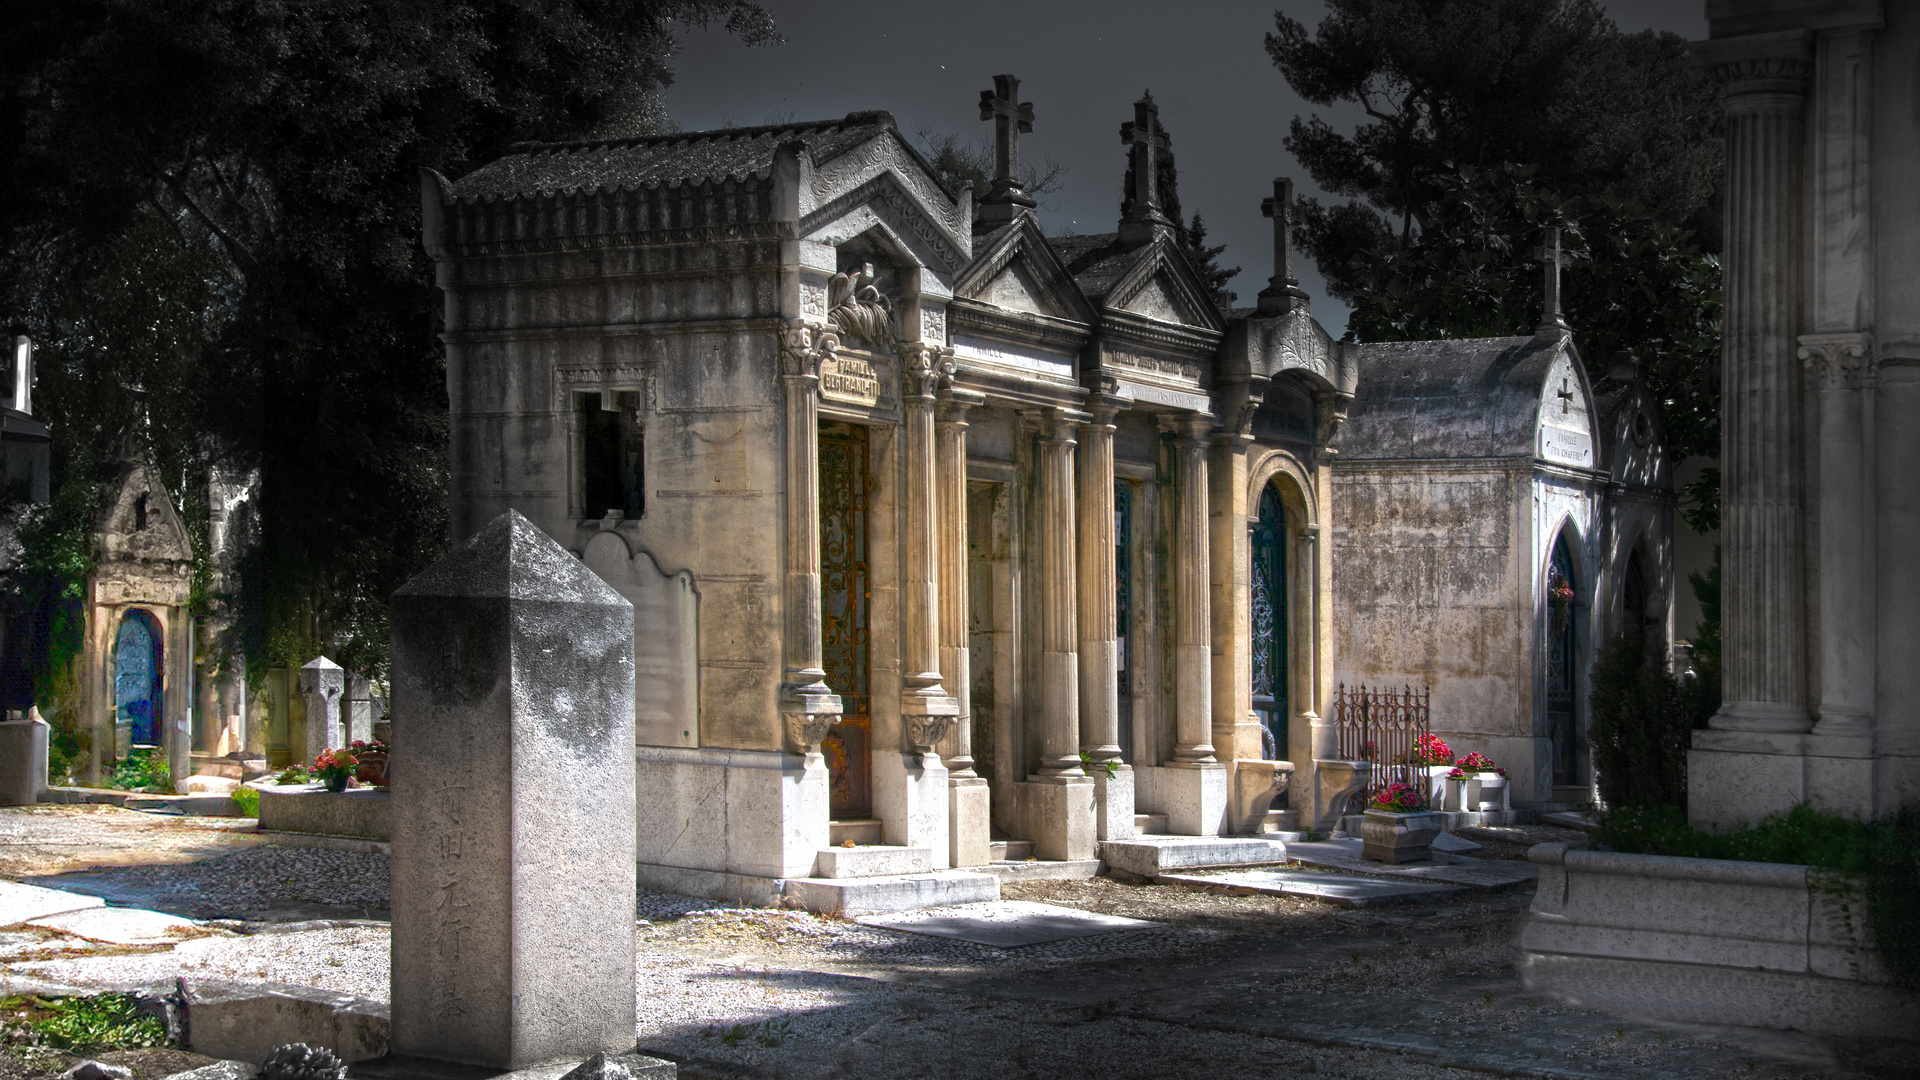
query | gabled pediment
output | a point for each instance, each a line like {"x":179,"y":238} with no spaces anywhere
{"x":1163,"y":287}
{"x":1018,"y":271}
{"x":887,"y":177}
{"x":141,"y":523}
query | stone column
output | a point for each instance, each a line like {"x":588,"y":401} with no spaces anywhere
{"x":925,"y":705}
{"x":177,"y":728}
{"x":1058,"y":803}
{"x":1099,"y":627}
{"x":969,"y":802}
{"x":1059,"y":664}
{"x":322,"y":682}
{"x":1192,"y":584}
{"x":1761,"y":465}
{"x":1192,"y":790}
{"x":512,"y":908}
{"x":809,"y":707}
{"x":95,"y":683}
{"x":1840,"y":366}
{"x":1098,"y":624}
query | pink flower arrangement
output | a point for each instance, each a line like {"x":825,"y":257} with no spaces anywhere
{"x":1398,"y":797}
{"x":1456,"y":774}
{"x":1478,"y":762}
{"x":1432,"y":750}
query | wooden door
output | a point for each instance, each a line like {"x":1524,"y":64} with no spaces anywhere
{"x":845,"y":596}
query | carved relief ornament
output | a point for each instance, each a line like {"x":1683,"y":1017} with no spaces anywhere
{"x":804,"y":344}
{"x":925,"y":367}
{"x":1839,"y":361}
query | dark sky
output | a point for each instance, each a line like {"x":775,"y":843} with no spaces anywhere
{"x":1082,"y":63}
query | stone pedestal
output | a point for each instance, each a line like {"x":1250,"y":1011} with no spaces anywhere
{"x":1113,"y":802}
{"x":1398,"y":838}
{"x":1193,"y":796}
{"x":1334,"y":782}
{"x":322,"y":683}
{"x":23,"y":760}
{"x":513,"y":818}
{"x":969,"y":821}
{"x":910,"y":794}
{"x":1059,"y":814}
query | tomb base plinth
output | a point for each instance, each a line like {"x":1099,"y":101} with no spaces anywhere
{"x":1060,"y":819}
{"x":403,"y":1067}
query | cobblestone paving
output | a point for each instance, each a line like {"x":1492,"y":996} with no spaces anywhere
{"x":1259,"y":985}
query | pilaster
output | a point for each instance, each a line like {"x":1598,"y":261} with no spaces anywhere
{"x":1098,"y":624}
{"x":1840,"y":367}
{"x":969,"y":816}
{"x":1059,"y":663}
{"x":926,"y":708}
{"x":1192,"y":624}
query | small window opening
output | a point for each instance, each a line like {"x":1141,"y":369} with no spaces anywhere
{"x":140,"y":512}
{"x":612,"y":458}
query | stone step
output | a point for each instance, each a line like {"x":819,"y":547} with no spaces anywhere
{"x":872,"y":860}
{"x":197,"y":805}
{"x":1344,"y":890}
{"x":1043,"y":869}
{"x":1150,"y":824}
{"x":1454,"y":819}
{"x":1152,"y":856}
{"x":858,"y":830}
{"x":908,"y":892}
{"x":1486,"y":875}
{"x":1011,"y":850}
{"x":1283,"y":821}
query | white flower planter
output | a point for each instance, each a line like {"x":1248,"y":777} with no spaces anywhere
{"x":1487,"y":792}
{"x":1392,"y":837}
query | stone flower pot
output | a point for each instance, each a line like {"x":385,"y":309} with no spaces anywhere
{"x":1456,"y":794}
{"x":1487,"y":792}
{"x":372,"y":768}
{"x":1393,"y":837}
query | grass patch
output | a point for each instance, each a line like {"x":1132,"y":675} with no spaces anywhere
{"x":141,"y":770}
{"x":1802,"y":836}
{"x":247,"y":801}
{"x":99,"y":1022}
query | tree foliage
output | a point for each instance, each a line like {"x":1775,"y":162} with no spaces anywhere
{"x":1643,"y":722}
{"x":1635,"y":283}
{"x":217,"y":201}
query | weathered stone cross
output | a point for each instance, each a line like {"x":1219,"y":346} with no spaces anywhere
{"x":1148,"y":140}
{"x":1283,"y":288}
{"x":1012,"y":119}
{"x":1553,"y":258}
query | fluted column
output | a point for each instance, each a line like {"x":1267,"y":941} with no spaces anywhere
{"x":955,"y":658}
{"x":1098,"y":621}
{"x":1059,"y":665}
{"x":1764,"y":618}
{"x":1192,"y":622}
{"x":925,"y":704}
{"x":808,"y":705}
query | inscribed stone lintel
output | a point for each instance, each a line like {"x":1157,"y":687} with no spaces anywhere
{"x":851,"y":380}
{"x":967,"y":347}
{"x":1156,"y":395}
{"x":1565,"y":446}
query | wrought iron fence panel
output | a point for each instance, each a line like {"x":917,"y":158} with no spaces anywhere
{"x":1384,"y":727}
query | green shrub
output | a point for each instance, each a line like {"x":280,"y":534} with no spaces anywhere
{"x":99,"y":1022}
{"x":1893,"y":881}
{"x":1643,"y":721}
{"x":141,"y":770}
{"x":247,"y":800}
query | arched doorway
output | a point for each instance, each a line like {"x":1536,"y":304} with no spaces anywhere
{"x":1563,"y":662}
{"x":845,"y":596}
{"x":1269,"y":617}
{"x":138,"y":674}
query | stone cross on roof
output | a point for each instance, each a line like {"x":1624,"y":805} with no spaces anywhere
{"x":1147,"y":141}
{"x":1011,"y":118}
{"x":1553,"y":257}
{"x":1283,"y":288}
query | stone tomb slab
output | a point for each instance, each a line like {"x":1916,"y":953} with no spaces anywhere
{"x":1006,"y":924}
{"x":1487,"y":875}
{"x":1346,"y":890}
{"x":24,"y":903}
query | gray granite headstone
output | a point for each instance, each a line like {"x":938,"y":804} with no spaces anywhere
{"x":513,"y":806}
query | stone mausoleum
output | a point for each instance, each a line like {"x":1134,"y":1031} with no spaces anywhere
{"x":944,"y":537}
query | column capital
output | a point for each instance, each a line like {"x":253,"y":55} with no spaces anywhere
{"x":1839,"y":361}
{"x":1188,"y":427}
{"x":804,"y":343}
{"x":1760,"y":67}
{"x":1057,"y":425}
{"x":955,"y":403}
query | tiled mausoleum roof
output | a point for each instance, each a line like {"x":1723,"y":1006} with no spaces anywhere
{"x":697,"y":157}
{"x":1462,"y":398}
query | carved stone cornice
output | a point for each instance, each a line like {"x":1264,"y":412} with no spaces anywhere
{"x":1758,"y":67}
{"x":1839,"y":361}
